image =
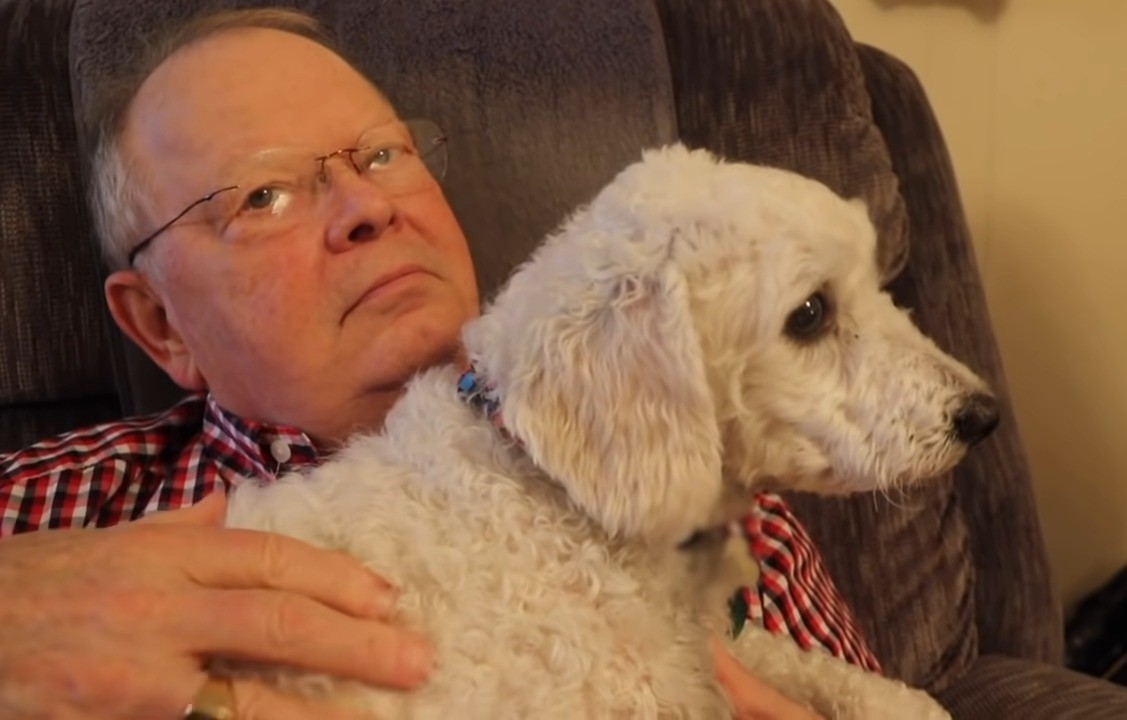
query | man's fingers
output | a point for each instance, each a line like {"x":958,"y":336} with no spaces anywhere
{"x":211,"y":511}
{"x":248,"y":559}
{"x":255,"y":701}
{"x":728,"y":671}
{"x":751,"y":698}
{"x":228,"y":558}
{"x":293,"y":630}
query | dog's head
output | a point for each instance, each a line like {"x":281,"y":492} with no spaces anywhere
{"x":703,"y":330}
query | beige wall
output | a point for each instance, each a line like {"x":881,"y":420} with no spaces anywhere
{"x":1032,"y":96}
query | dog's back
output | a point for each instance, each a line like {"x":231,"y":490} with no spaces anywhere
{"x":533,"y":610}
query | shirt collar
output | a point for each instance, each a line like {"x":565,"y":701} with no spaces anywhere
{"x":252,"y":448}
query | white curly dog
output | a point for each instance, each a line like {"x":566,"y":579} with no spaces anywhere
{"x":701,"y":331}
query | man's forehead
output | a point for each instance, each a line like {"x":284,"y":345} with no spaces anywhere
{"x":226,"y":97}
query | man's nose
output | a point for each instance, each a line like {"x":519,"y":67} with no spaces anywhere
{"x":361,"y":211}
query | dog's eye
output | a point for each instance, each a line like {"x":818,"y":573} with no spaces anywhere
{"x":810,"y":318}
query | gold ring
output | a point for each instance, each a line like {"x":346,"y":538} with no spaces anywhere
{"x":215,"y":700}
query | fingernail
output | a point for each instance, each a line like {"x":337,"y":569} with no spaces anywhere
{"x":418,"y":659}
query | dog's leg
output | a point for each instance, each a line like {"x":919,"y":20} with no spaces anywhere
{"x":833,"y":687}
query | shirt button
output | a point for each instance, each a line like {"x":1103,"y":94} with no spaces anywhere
{"x":280,"y":449}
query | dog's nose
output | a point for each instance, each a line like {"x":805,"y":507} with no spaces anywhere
{"x":977,"y":418}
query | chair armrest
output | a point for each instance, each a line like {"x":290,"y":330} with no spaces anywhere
{"x":997,"y":688}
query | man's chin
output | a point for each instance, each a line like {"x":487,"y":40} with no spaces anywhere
{"x":393,"y":366}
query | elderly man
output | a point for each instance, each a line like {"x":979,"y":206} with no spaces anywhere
{"x":282,"y":249}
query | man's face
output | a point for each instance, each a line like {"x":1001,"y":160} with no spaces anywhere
{"x":296,"y":327}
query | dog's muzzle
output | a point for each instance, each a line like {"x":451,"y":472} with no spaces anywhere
{"x":976,"y":419}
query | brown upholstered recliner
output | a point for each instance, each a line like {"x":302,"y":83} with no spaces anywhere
{"x":545,"y":101}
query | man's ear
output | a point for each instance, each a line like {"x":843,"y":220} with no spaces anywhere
{"x":140,"y":313}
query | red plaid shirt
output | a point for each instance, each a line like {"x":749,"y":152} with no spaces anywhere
{"x":121,"y":471}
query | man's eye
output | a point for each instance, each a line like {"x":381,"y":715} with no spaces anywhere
{"x":260,"y":199}
{"x":272,"y":198}
{"x":385,"y":156}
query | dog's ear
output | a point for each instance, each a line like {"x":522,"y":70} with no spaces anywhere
{"x":609,"y":394}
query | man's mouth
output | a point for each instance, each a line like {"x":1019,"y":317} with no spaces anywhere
{"x":387,"y":283}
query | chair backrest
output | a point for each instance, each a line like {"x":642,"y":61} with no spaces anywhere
{"x":55,"y":369}
{"x":981,"y":539}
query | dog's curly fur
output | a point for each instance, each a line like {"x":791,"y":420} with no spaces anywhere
{"x":701,"y":331}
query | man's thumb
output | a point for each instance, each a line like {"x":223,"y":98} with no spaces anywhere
{"x":212,"y":510}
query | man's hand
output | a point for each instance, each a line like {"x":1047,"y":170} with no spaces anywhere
{"x":751,"y":698}
{"x":118,"y":623}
